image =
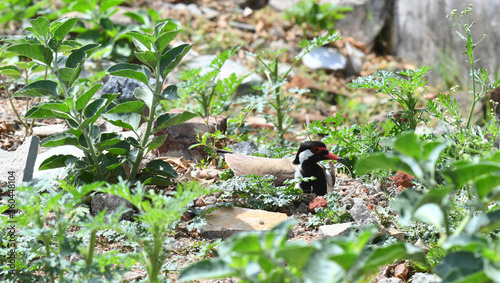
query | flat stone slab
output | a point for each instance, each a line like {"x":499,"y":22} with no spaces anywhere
{"x":225,"y":221}
{"x":335,"y":230}
{"x":17,"y":166}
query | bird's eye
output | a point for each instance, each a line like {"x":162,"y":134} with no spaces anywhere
{"x":315,"y":150}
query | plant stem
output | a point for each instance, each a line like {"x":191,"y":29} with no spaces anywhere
{"x":90,"y":251}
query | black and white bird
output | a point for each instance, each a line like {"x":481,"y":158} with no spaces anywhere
{"x":304,"y":165}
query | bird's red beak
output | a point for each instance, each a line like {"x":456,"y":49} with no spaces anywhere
{"x":332,"y":156}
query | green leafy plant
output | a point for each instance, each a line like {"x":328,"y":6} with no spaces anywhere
{"x":158,"y":213}
{"x":212,"y":95}
{"x":260,"y":192}
{"x":272,"y":91}
{"x":401,"y":87}
{"x":107,"y":155}
{"x":468,"y":241}
{"x":480,"y":77}
{"x":13,"y":12}
{"x":45,"y":216}
{"x":311,"y":15}
{"x":268,"y":257}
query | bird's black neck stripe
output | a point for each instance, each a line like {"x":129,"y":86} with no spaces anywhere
{"x":317,"y":186}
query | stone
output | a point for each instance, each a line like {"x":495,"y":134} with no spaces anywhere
{"x":317,"y":202}
{"x":402,"y":271}
{"x":109,"y":202}
{"x":355,"y":58}
{"x":124,"y":86}
{"x":366,"y":22}
{"x":282,"y":5}
{"x":362,"y":215}
{"x":324,"y":58}
{"x":334,"y":230}
{"x":49,"y":130}
{"x":21,"y":162}
{"x":131,"y":276}
{"x":225,"y":221}
{"x":245,"y":147}
{"x":425,"y":278}
{"x":180,"y":137}
{"x":252,"y":4}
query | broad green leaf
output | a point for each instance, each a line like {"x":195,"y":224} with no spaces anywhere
{"x":142,"y":41}
{"x":131,"y":71}
{"x":55,"y":161}
{"x":406,"y":203}
{"x":160,"y":167}
{"x":486,"y":184}
{"x":156,"y":142}
{"x":462,"y":174}
{"x":430,"y":213}
{"x":79,"y":56}
{"x":164,"y":40}
{"x":65,"y":138}
{"x":40,"y":27}
{"x":109,"y":139}
{"x":129,"y":121}
{"x":296,"y":255}
{"x":33,"y":51}
{"x":82,"y":101}
{"x":10,"y":70}
{"x":381,"y":162}
{"x":129,"y":106}
{"x":172,"y":58}
{"x":148,"y":57}
{"x":61,"y":31}
{"x":38,"y":113}
{"x":144,"y":95}
{"x":154,"y":180}
{"x":105,"y":5}
{"x":95,"y":108}
{"x":68,"y":76}
{"x":376,"y":257}
{"x":409,"y":145}
{"x":484,"y":223}
{"x":170,"y":93}
{"x":39,"y":89}
{"x":461,"y":267}
{"x":213,"y":268}
{"x":247,"y":244}
{"x":171,"y":119}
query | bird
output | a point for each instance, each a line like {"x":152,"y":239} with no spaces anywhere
{"x":304,"y":165}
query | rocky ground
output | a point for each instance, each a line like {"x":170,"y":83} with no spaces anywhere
{"x":362,"y":202}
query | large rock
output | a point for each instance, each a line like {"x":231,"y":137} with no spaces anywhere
{"x":17,"y":166}
{"x":181,"y":137}
{"x":224,"y":221}
{"x":422,"y":34}
{"x":110,"y":203}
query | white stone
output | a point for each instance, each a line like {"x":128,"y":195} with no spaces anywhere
{"x":334,"y":230}
{"x":325,"y":58}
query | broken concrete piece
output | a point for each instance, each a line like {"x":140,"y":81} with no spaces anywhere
{"x":17,"y":166}
{"x":335,"y":230}
{"x":226,"y":220}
